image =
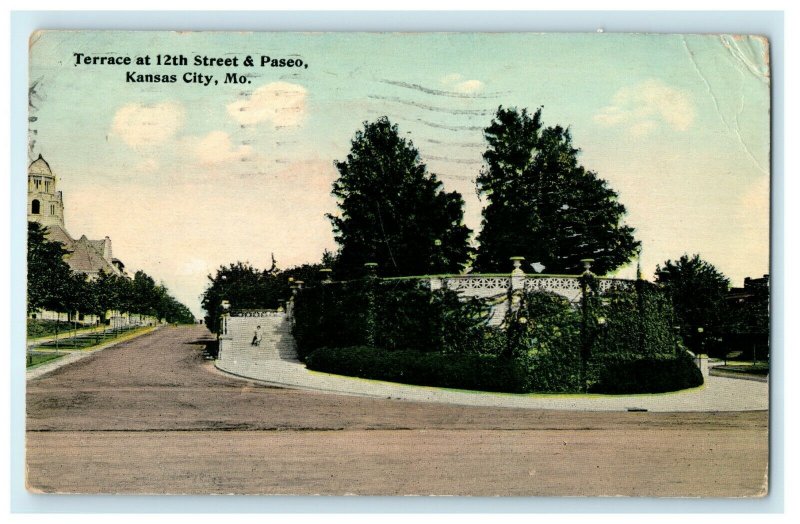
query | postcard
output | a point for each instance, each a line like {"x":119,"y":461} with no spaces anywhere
{"x":472,"y":264}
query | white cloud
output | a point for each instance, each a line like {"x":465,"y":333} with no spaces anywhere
{"x":141,"y":125}
{"x":643,"y":106}
{"x":469,"y":86}
{"x":282,"y":103}
{"x":216,"y":148}
{"x":454,"y":81}
{"x":643,"y":127}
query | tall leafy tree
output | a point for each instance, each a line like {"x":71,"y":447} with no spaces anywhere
{"x":542,"y":204}
{"x":49,"y":276}
{"x":697,"y":290}
{"x":392,"y":211}
{"x":106,"y":294}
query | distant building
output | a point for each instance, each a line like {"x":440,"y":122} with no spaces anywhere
{"x":46,"y":206}
{"x":746,"y":332}
{"x":90,"y":257}
{"x":753,"y":289}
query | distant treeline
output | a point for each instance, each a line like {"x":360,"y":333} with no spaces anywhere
{"x":53,"y":286}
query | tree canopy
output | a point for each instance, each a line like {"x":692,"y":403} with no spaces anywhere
{"x":247,"y":287}
{"x":542,"y":204}
{"x":49,"y":276}
{"x":697,"y":290}
{"x":53,"y":286}
{"x":393,"y":212}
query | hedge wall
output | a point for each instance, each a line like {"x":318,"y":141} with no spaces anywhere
{"x":465,"y":371}
{"x":515,"y":375}
{"x":390,"y":314}
{"x":400,"y":330}
{"x":645,"y":375}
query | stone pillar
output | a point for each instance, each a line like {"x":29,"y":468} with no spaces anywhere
{"x":290,"y":302}
{"x":702,"y":364}
{"x":517,"y":284}
{"x":586,"y":340}
{"x":224,"y":339}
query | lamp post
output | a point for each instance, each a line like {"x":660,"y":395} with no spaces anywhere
{"x":700,"y":345}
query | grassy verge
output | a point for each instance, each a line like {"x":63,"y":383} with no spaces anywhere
{"x":34,"y":359}
{"x":87,"y":341}
{"x":37,"y":328}
{"x":757,"y":369}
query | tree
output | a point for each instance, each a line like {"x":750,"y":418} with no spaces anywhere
{"x":49,"y":276}
{"x":393,"y":211}
{"x":246,"y":287}
{"x":697,"y":290}
{"x":105,"y":291}
{"x":543,"y":205}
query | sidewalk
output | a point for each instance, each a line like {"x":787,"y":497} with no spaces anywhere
{"x":73,"y":356}
{"x":717,"y":394}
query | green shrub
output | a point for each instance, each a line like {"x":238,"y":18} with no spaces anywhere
{"x":636,"y":322}
{"x":645,"y":375}
{"x":404,"y":314}
{"x":414,"y":335}
{"x":41,"y":328}
{"x":462,"y":371}
{"x":545,"y":338}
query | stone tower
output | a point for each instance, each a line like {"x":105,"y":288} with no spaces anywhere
{"x":45,"y":204}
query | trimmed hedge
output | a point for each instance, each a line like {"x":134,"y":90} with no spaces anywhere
{"x":402,"y":331}
{"x":646,"y":375}
{"x":464,"y":371}
{"x":517,"y":375}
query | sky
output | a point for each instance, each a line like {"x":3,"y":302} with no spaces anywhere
{"x":185,"y":177}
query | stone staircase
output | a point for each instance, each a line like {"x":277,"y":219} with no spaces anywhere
{"x":277,"y":342}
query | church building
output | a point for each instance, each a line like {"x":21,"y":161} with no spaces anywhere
{"x":46,"y":206}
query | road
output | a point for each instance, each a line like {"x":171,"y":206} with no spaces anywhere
{"x":151,"y":416}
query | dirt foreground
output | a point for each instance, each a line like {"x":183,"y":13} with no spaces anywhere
{"x":150,"y":416}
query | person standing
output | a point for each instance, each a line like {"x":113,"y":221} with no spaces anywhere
{"x":257,"y":337}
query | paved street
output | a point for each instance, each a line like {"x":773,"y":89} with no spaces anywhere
{"x":151,"y":416}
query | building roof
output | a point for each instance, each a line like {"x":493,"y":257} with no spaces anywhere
{"x":57,"y":233}
{"x":85,"y":258}
{"x":40,"y":167}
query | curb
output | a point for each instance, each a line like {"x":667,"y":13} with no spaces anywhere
{"x":285,"y":385}
{"x":741,"y":376}
{"x":74,"y":356}
{"x":617,"y":404}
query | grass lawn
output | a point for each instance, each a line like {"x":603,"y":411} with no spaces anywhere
{"x":37,"y":328}
{"x":39,"y":358}
{"x":88,"y":340}
{"x":759,"y":368}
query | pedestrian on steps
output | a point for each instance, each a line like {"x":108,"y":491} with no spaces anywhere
{"x":257,"y":337}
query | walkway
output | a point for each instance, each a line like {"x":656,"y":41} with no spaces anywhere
{"x":718,"y":393}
